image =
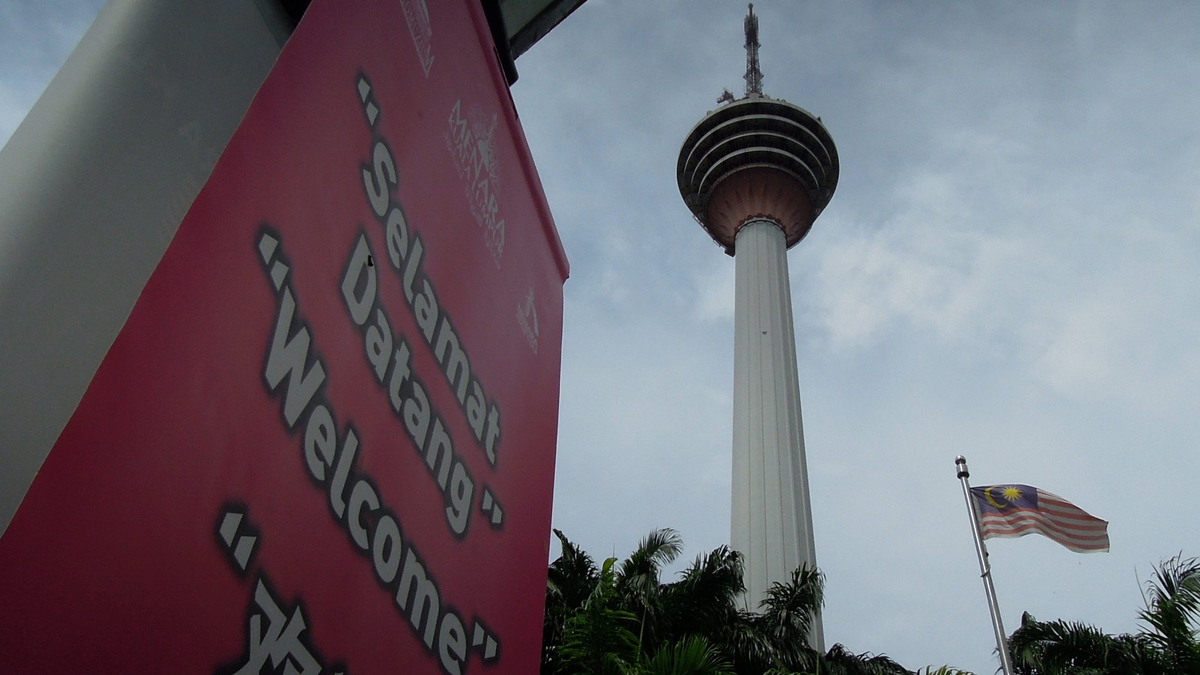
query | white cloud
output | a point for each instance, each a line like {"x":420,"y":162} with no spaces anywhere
{"x":925,"y":271}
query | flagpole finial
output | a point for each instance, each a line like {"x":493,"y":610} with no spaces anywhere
{"x":961,"y":463}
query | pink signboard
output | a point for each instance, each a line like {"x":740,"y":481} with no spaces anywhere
{"x":324,"y":440}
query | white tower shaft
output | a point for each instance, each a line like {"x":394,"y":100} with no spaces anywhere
{"x":772,"y":514}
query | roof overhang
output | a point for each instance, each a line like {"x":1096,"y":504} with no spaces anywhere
{"x":527,"y":21}
{"x":516,"y":25}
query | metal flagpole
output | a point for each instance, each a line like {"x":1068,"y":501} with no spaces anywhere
{"x":985,"y":568}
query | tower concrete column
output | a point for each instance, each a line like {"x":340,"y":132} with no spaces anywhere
{"x":772,"y":512}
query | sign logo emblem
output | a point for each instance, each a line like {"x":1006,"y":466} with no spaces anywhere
{"x":528,"y":321}
{"x":469,"y":139}
{"x":416,"y":15}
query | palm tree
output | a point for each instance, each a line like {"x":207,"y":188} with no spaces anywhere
{"x":1172,"y":608}
{"x":1042,"y":648}
{"x":598,"y":639}
{"x":639,"y":585}
{"x":704,"y":601}
{"x":613,"y":619}
{"x":788,"y":613}
{"x":1169,"y":645}
{"x":571,"y":579}
{"x":692,"y":655}
{"x":621,"y":618}
{"x":841,"y":660}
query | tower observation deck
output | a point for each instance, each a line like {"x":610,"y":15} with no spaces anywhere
{"x":755,"y":173}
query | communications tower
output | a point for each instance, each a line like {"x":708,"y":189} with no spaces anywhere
{"x":755,"y":173}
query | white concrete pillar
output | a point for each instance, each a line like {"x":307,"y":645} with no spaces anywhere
{"x":772,"y":514}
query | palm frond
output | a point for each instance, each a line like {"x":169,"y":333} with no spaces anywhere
{"x":655,"y":550}
{"x":572,"y":575}
{"x":789,"y":609}
{"x":841,"y":660}
{"x":704,"y":600}
{"x":598,"y":639}
{"x":1172,"y":607}
{"x":692,"y":655}
{"x":1071,"y":647}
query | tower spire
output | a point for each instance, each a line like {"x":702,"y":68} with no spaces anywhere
{"x":754,"y":76}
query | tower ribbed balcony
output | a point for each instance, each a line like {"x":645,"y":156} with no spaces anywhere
{"x":757,"y":157}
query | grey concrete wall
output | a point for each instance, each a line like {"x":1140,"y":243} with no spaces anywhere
{"x":94,"y":184}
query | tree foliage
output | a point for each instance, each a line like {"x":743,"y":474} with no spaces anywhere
{"x":620,"y":618}
{"x":1168,"y":644}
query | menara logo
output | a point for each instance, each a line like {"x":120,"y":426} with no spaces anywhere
{"x":469,"y":139}
{"x":416,"y":15}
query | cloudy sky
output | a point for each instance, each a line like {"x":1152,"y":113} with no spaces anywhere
{"x":1008,"y":270}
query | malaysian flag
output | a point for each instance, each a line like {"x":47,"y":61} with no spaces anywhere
{"x":1018,"y":510}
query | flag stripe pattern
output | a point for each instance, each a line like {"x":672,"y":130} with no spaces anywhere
{"x":1017,"y":510}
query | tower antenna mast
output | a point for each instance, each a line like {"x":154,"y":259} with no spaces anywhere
{"x":754,"y":76}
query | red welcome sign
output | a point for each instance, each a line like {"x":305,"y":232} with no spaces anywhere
{"x":324,"y":440}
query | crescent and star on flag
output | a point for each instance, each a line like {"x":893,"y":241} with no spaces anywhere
{"x":1009,"y":494}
